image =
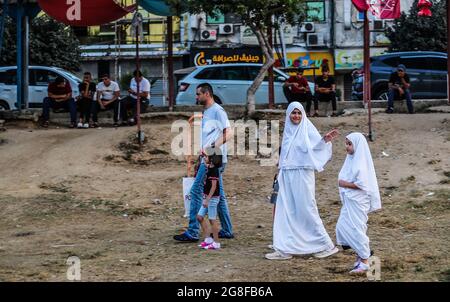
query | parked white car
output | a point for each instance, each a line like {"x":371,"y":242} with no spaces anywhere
{"x":39,"y":78}
{"x":230,"y":83}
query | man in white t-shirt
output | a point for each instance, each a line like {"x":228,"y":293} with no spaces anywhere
{"x":216,"y":131}
{"x":108,"y":93}
{"x":130,"y":102}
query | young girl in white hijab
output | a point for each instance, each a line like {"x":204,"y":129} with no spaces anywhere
{"x":358,"y":188}
{"x":298,"y":229}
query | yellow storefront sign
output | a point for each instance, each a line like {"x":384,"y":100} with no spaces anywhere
{"x":308,"y":59}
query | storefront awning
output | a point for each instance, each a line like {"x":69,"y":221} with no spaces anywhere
{"x":159,"y":7}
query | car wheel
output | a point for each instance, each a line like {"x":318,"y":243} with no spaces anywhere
{"x":381,"y":95}
{"x":4,"y":106}
{"x":217,"y":100}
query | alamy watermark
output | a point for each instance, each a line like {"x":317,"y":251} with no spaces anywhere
{"x":74,"y":271}
{"x":247,"y":138}
{"x":374,"y":273}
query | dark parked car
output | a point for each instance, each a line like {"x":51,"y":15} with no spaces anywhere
{"x":427,"y":71}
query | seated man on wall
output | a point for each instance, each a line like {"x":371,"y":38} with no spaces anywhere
{"x":130,"y":102}
{"x":296,"y":89}
{"x":399,"y":85}
{"x":326,"y":89}
{"x":108,"y":93}
{"x":59,"y":97}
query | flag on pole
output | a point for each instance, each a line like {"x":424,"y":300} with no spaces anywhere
{"x":381,"y":9}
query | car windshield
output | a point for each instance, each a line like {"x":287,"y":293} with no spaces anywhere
{"x":70,"y":75}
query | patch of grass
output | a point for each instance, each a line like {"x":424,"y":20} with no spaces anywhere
{"x":445,"y":275}
{"x":58,"y":188}
{"x":411,"y":178}
{"x":434,"y":161}
{"x":415,"y":193}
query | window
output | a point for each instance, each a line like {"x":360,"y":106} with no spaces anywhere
{"x":277,"y":77}
{"x":315,"y":11}
{"x":438,"y":63}
{"x":393,"y":62}
{"x":8,"y":77}
{"x":210,"y":74}
{"x":235,"y":73}
{"x":42,"y":77}
{"x":253,"y":72}
{"x":415,"y":63}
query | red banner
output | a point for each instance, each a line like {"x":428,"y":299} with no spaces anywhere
{"x":84,"y":12}
{"x":381,"y":9}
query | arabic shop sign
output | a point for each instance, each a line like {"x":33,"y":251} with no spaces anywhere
{"x":225,"y":56}
{"x":307,"y":59}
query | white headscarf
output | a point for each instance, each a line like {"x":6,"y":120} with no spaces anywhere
{"x":302,"y":144}
{"x":358,"y":168}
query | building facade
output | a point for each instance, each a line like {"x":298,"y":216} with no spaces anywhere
{"x":332,"y":30}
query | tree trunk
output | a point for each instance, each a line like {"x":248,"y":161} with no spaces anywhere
{"x":270,"y":60}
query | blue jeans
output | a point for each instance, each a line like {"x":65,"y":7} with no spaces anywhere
{"x":196,"y":202}
{"x":393,"y":93}
{"x":67,"y":105}
{"x":211,"y":210}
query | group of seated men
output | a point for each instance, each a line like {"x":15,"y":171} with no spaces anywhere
{"x":94,"y":98}
{"x":296,"y":89}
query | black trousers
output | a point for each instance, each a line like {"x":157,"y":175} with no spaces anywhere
{"x":129,"y":103}
{"x":327,"y":97}
{"x":301,"y":97}
{"x":84,"y":107}
{"x":96,"y":108}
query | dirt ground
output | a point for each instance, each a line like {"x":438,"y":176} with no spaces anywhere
{"x":93,"y":194}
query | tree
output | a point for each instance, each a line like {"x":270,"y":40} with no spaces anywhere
{"x":411,"y":32}
{"x":258,"y":15}
{"x":51,"y":44}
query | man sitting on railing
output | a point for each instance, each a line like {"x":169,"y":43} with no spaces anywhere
{"x":130,"y":102}
{"x":108,"y":93}
{"x":399,"y":88}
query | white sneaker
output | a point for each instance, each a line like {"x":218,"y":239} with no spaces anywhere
{"x":80,"y":125}
{"x":270,"y":246}
{"x":213,"y":246}
{"x":277,"y":255}
{"x":85,"y":125}
{"x":360,"y":268}
{"x":326,"y":253}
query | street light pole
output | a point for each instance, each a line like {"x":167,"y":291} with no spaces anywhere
{"x":366,"y":91}
{"x":448,"y":53}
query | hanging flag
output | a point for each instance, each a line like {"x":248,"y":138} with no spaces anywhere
{"x":84,"y":12}
{"x":381,"y":9}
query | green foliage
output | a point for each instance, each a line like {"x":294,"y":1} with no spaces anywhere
{"x":255,"y":13}
{"x":412,"y":32}
{"x":51,"y":44}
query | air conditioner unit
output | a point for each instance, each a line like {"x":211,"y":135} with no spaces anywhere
{"x":378,"y":25}
{"x":208,"y":35}
{"x":307,"y":27}
{"x":314,"y":40}
{"x":226,"y":29}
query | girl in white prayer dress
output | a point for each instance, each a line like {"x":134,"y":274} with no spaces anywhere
{"x":358,"y":189}
{"x":298,"y":229}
